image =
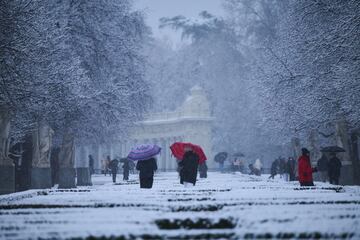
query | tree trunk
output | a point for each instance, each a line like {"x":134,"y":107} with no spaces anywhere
{"x":7,"y":168}
{"x":42,"y":143}
{"x":67,"y":159}
{"x":82,"y":167}
{"x":343,"y":140}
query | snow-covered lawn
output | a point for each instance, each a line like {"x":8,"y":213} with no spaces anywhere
{"x":222,"y":206}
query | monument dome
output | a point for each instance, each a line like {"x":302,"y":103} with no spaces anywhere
{"x":196,"y":103}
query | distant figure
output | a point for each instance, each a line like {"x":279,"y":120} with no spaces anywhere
{"x":323,"y":167}
{"x":242,"y":165}
{"x":305,"y":170}
{"x":91,"y":165}
{"x":203,"y":170}
{"x":282,"y":166}
{"x":126,"y":170}
{"x":147,"y":169}
{"x":257,"y":167}
{"x":287,"y":170}
{"x":188,"y":167}
{"x":221,"y":166}
{"x":334,"y":169}
{"x":114,"y":168}
{"x":291,"y":167}
{"x":236,"y":165}
{"x":251,"y":169}
{"x":274,"y":168}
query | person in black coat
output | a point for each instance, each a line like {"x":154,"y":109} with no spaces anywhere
{"x":126,"y":170}
{"x":114,"y":168}
{"x":334,"y":168}
{"x":188,"y":167}
{"x":203,"y":170}
{"x":274,"y":168}
{"x":322,"y":166}
{"x":147,"y":169}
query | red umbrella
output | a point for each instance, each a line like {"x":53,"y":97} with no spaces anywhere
{"x":178,"y":150}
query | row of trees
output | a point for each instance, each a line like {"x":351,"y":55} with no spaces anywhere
{"x":306,"y":68}
{"x":275,"y":71}
{"x":73,"y":66}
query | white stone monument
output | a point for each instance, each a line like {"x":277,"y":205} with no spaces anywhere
{"x":190,"y":122}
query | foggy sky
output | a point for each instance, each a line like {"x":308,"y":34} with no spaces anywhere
{"x":155,"y":9}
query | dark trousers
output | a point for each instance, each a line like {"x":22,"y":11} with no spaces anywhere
{"x":146,"y":182}
{"x":113,"y":176}
{"x":126,"y":175}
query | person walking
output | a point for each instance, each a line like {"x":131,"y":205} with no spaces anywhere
{"x":114,"y":168}
{"x":188,"y":167}
{"x":322,"y":167}
{"x":146,"y":169}
{"x":334,"y":169}
{"x":257,"y":167}
{"x":274,"y":168}
{"x":126,"y":170}
{"x":203,"y":170}
{"x":305,"y":169}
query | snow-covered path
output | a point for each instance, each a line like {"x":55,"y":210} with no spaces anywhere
{"x":221,"y":206}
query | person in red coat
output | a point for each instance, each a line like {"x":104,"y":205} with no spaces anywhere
{"x":305,"y":169}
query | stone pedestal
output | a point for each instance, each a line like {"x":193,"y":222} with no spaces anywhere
{"x":41,"y":151}
{"x":83,"y":176}
{"x":67,"y":178}
{"x":7,"y":179}
{"x":40,"y":178}
{"x":67,"y":159}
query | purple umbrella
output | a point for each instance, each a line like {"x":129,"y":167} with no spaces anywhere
{"x":143,"y":152}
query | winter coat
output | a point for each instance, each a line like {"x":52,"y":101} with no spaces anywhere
{"x":257,"y":165}
{"x":304,"y":169}
{"x":126,"y":166}
{"x":274,"y":168}
{"x":147,"y":168}
{"x":334,"y":167}
{"x":126,"y":169}
{"x":322,"y":164}
{"x":114,"y":165}
{"x":188,"y":167}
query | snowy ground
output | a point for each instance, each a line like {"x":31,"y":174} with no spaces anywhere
{"x":227,"y":206}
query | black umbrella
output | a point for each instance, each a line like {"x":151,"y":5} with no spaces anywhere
{"x":122,"y":160}
{"x":221,"y":157}
{"x":333,"y":149}
{"x":238,"y":154}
